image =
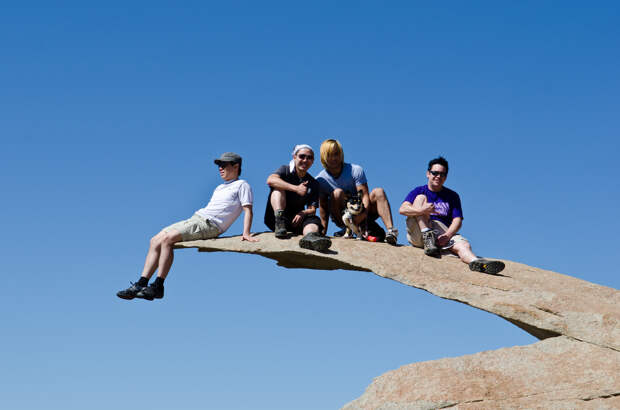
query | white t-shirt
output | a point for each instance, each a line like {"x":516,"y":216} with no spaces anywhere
{"x":227,"y":203}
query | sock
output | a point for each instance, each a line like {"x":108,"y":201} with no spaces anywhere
{"x":143,"y":281}
{"x":425,"y":230}
{"x":158,"y":282}
{"x":279,"y":212}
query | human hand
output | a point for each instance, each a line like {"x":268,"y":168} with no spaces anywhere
{"x":428,"y":208}
{"x":248,"y":237}
{"x":302,"y":188}
{"x":443,"y":239}
{"x":297,"y":219}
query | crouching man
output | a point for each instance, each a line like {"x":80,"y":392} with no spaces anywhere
{"x":434,"y":217}
{"x":340,"y":179}
{"x":293,"y":200}
{"x":226,"y":204}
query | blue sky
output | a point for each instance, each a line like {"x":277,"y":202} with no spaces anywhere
{"x":111,"y":116}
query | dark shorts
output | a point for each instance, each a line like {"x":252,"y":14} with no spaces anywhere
{"x":298,"y":230}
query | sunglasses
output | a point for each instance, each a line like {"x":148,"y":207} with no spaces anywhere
{"x":223,"y":164}
{"x":438,"y":174}
{"x":304,"y":157}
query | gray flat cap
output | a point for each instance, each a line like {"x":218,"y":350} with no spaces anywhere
{"x":228,"y":157}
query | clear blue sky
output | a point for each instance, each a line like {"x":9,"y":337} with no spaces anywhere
{"x":110,"y":117}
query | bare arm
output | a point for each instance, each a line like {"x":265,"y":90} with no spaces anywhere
{"x":247,"y":224}
{"x":275,"y":182}
{"x":324,"y":212}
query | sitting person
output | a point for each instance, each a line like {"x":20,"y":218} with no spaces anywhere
{"x":340,"y":179}
{"x":209,"y":222}
{"x":434,"y":217}
{"x":293,"y":199}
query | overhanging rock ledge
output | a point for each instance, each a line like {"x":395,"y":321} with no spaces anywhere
{"x":544,"y":303}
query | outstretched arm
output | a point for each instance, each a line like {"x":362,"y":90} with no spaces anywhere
{"x":247,"y":224}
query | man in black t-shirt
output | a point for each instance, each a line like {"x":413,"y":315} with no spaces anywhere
{"x":293,"y":200}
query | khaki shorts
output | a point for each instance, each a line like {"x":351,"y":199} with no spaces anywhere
{"x":414,"y":235}
{"x":195,"y":228}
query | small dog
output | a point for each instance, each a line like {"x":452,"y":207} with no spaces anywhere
{"x":353,"y":206}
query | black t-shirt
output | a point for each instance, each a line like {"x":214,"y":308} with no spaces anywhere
{"x":294,"y":202}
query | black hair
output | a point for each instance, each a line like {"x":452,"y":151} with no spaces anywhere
{"x":439,"y":161}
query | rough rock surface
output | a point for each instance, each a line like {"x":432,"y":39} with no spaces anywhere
{"x":576,"y":371}
{"x":557,"y":373}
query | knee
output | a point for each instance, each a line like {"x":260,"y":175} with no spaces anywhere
{"x":462,"y":246}
{"x":277,"y":193}
{"x":419,"y":200}
{"x":338,"y":194}
{"x":169,"y":239}
{"x":311,"y":228}
{"x":156,"y":240}
{"x":377,"y":194}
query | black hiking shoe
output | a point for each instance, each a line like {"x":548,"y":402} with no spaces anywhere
{"x":486,"y":266}
{"x":130,"y":292}
{"x":315,"y":242}
{"x":151,"y":292}
{"x":280,"y":228}
{"x":430,"y":246}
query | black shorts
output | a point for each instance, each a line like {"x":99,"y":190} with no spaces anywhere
{"x":298,"y":230}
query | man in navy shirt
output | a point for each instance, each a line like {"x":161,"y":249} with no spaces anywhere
{"x":293,"y":199}
{"x":434,"y":217}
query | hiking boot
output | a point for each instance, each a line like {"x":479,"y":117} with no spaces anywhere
{"x":430,"y":247}
{"x":151,"y":292}
{"x":130,"y":292}
{"x":280,"y":228}
{"x":486,"y":266}
{"x":391,"y":236}
{"x":315,"y":242}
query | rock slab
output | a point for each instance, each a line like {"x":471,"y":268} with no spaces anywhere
{"x":557,"y":373}
{"x":575,"y":366}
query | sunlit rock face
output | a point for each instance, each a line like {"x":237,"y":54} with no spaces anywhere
{"x":556,"y":373}
{"x":577,"y":365}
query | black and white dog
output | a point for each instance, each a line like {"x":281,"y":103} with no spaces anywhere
{"x":353,"y":206}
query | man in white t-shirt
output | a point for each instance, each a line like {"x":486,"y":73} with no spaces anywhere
{"x":225,"y":206}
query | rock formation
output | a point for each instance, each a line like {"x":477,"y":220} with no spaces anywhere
{"x":576,"y":365}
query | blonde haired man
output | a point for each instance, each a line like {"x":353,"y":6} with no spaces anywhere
{"x":340,"y":179}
